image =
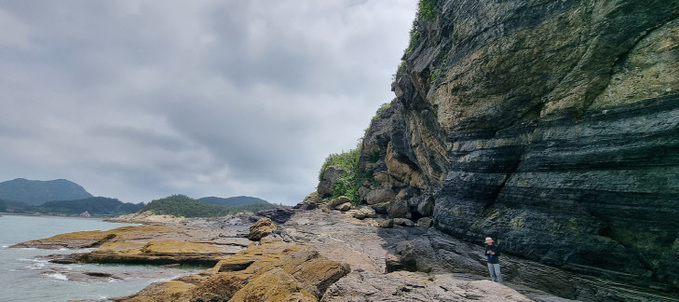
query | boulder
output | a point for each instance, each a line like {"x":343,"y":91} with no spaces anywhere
{"x":363,"y":212}
{"x":424,"y":222}
{"x":265,"y":272}
{"x":338,"y":201}
{"x":380,"y":208}
{"x":397,"y":209}
{"x":425,"y":206}
{"x":261,"y":229}
{"x":379,"y":195}
{"x":393,"y":263}
{"x":403,"y":222}
{"x":344,"y":207}
{"x":330,"y":176}
{"x":386,"y":223}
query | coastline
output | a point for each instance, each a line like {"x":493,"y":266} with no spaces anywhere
{"x":52,"y":216}
{"x":304,"y":255}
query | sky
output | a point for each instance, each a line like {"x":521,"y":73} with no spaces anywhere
{"x":139,"y":100}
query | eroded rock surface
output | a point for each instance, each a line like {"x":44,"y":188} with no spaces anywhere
{"x":550,"y":125}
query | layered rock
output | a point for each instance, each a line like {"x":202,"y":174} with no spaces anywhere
{"x":154,"y":244}
{"x":551,"y":125}
{"x":270,"y":271}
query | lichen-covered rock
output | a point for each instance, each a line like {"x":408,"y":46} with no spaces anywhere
{"x":273,"y":285}
{"x":344,"y":207}
{"x":424,"y":222}
{"x":403,"y":222}
{"x":260,"y":229}
{"x":90,"y":239}
{"x":270,"y":271}
{"x":386,"y":223}
{"x":338,"y":201}
{"x":363,"y":212}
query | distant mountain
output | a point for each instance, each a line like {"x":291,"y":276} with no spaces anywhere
{"x":36,"y":192}
{"x":233,"y":201}
{"x":183,"y":206}
{"x":95,"y":206}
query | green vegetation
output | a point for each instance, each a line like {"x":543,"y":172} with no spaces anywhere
{"x":233,"y":201}
{"x":426,"y":12}
{"x":96,"y":206}
{"x":381,"y":110}
{"x":310,"y":196}
{"x":348,"y":184}
{"x":183,"y":206}
{"x":3,"y":206}
{"x":401,"y":68}
{"x":348,"y":161}
{"x":434,"y":77}
{"x":36,"y":192}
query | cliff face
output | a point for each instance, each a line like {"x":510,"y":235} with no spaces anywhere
{"x":551,"y":125}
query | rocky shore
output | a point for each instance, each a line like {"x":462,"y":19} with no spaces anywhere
{"x":308,"y":255}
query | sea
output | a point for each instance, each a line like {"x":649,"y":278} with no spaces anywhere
{"x":26,"y":276}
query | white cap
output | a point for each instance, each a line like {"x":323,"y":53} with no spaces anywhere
{"x":489,"y":239}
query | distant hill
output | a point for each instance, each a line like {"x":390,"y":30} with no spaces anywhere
{"x":95,"y":206}
{"x":183,"y":206}
{"x":36,"y":192}
{"x":233,"y":201}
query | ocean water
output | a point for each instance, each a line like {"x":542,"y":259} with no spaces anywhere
{"x":25,"y":276}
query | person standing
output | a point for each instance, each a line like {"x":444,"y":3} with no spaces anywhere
{"x":493,"y":260}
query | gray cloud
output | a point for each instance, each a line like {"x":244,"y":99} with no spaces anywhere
{"x":142,"y":99}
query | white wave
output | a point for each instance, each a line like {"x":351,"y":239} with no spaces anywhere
{"x":38,"y":265}
{"x":58,"y":276}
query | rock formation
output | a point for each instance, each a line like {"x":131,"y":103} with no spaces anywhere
{"x":261,"y":229}
{"x":551,"y":125}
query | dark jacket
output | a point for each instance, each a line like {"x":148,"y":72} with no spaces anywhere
{"x":494,"y":259}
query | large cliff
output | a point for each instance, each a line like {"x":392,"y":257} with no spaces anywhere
{"x":551,"y":125}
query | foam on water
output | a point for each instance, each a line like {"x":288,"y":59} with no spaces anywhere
{"x":58,"y":276}
{"x":33,"y":278}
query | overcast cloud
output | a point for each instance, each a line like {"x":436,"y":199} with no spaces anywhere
{"x":139,"y":100}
